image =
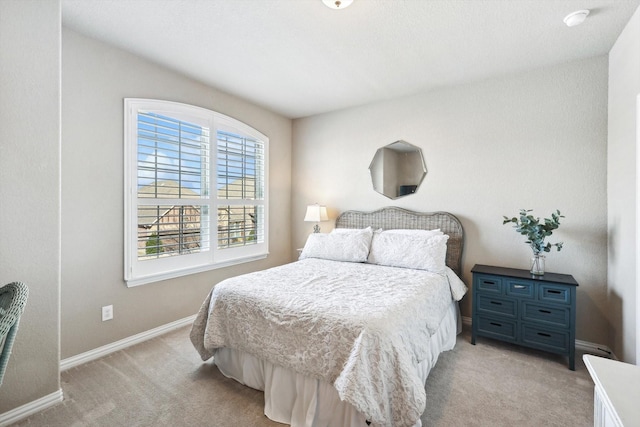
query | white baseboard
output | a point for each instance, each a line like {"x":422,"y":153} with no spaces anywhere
{"x":595,"y":349}
{"x":586,"y":346}
{"x":105,"y":350}
{"x":26,"y":410}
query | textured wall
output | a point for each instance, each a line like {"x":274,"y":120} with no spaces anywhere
{"x":95,"y":79}
{"x":533,"y":140}
{"x":30,"y":191}
{"x":624,"y":87}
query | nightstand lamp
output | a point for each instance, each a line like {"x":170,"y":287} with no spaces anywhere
{"x":316,"y":213}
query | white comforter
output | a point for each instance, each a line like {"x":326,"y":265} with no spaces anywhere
{"x":358,"y":326}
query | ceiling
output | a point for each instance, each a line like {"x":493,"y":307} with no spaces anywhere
{"x":300,"y":58}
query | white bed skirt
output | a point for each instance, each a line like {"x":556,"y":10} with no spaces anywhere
{"x":300,"y":401}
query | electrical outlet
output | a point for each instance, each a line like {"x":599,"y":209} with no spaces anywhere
{"x":107,"y":312}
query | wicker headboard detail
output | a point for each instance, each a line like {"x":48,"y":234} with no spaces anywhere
{"x":394,"y":218}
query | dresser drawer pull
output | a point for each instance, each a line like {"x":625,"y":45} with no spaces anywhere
{"x":489,"y":282}
{"x":495,"y":324}
{"x":496,"y":302}
{"x":543,"y":334}
{"x":544,"y":311}
{"x":553,"y":291}
{"x":519,"y":286}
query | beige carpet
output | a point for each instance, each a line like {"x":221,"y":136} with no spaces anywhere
{"x":163,"y":382}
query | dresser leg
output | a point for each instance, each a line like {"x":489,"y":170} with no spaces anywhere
{"x":572,"y":357}
{"x":572,"y":362}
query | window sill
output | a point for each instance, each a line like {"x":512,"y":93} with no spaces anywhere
{"x":191,"y":270}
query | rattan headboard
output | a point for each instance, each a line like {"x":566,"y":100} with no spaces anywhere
{"x":394,"y":218}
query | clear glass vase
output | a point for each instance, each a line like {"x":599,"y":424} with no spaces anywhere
{"x":537,"y":264}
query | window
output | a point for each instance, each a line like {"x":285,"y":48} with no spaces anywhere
{"x":195,"y":196}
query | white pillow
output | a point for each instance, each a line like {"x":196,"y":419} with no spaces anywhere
{"x":410,"y":251}
{"x":350,"y":247}
{"x":350,"y":230}
{"x":426,"y":233}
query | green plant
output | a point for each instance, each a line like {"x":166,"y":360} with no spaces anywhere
{"x":153,"y":245}
{"x":536,"y":231}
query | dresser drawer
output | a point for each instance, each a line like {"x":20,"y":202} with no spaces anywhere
{"x":556,"y":316}
{"x":546,"y":339}
{"x":488,"y":284}
{"x":520,"y":288}
{"x":492,"y":304}
{"x":497,"y":328}
{"x":554,"y":293}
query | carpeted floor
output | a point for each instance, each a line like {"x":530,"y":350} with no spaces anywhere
{"x":163,"y":382}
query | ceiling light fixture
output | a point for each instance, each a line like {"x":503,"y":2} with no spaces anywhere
{"x":337,"y":4}
{"x":576,"y":17}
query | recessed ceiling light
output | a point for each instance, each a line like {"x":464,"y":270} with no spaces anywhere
{"x":576,"y":17}
{"x":337,"y":4}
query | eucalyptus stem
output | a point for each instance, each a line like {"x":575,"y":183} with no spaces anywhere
{"x":535,"y":230}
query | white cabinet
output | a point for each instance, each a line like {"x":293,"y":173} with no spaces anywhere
{"x":617,"y":392}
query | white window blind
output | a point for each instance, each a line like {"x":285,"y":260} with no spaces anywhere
{"x":173,"y":183}
{"x":176,"y":178}
{"x":240,"y":177}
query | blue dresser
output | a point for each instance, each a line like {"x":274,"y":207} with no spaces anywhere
{"x":535,"y":311}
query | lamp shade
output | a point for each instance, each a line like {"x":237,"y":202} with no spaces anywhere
{"x":316,"y":213}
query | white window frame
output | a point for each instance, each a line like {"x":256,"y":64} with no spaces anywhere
{"x":139,"y":272}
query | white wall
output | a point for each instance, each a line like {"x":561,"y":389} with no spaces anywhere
{"x":624,"y":87}
{"x":95,"y":79}
{"x":532,"y":140}
{"x":30,"y":191}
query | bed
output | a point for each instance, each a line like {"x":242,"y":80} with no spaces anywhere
{"x":347,"y":335}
